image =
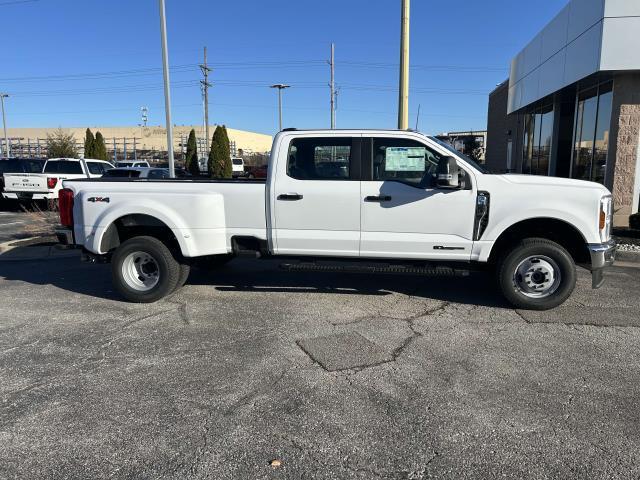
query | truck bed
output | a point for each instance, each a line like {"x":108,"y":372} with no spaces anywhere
{"x":204,"y":214}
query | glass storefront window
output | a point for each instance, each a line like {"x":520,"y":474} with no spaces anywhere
{"x":591,"y":133}
{"x":601,"y":146}
{"x":538,"y":134}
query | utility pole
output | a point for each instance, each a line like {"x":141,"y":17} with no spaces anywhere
{"x":332,"y":87}
{"x":144,"y":111}
{"x":167,"y":92}
{"x":418,"y":117}
{"x":205,"y":86}
{"x":280,"y":87}
{"x":4,"y":125}
{"x":403,"y":97}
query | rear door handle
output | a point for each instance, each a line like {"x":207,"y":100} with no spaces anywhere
{"x":290,"y":196}
{"x":377,"y":198}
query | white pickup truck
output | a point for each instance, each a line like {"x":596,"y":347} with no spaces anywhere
{"x":349,"y":200}
{"x":46,"y":185}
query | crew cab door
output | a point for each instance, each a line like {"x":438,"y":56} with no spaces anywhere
{"x":315,"y":197}
{"x":404,"y":215}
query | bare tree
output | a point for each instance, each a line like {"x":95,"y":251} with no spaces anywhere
{"x":61,"y":144}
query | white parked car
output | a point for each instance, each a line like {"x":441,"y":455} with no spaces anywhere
{"x":132,"y":164}
{"x":46,"y":185}
{"x":378,"y":201}
{"x":237,"y":167}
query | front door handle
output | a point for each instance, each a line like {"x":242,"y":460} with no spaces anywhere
{"x":377,"y":198}
{"x":292,"y":197}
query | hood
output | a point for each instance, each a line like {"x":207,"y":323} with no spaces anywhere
{"x":543,"y":181}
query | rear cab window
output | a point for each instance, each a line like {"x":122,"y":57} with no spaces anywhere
{"x":21,"y":166}
{"x":64,"y":167}
{"x":322,"y":158}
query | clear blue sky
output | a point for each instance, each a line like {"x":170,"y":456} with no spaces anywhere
{"x":86,"y":63}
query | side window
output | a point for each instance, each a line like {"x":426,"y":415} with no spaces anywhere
{"x":320,"y":159}
{"x":403,"y":160}
{"x":95,"y":168}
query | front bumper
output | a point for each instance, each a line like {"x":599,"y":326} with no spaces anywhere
{"x":602,"y":256}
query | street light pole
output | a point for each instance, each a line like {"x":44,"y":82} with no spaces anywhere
{"x":403,"y":97}
{"x":167,"y":94}
{"x":280,"y":87}
{"x":4,"y":124}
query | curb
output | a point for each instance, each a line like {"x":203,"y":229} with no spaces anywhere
{"x":10,"y":252}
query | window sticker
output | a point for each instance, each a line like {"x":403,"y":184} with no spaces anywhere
{"x":405,"y":159}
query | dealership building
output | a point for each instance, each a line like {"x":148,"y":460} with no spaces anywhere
{"x":571,"y":105}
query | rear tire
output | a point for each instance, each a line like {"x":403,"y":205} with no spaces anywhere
{"x":144,"y":270}
{"x":536,"y":274}
{"x":185,"y":269}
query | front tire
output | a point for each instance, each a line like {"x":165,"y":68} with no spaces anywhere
{"x":144,"y":270}
{"x":537,"y":274}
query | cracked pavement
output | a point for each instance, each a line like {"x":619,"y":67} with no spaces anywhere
{"x":230,"y":373}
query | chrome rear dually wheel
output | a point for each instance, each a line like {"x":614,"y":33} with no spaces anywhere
{"x":144,"y":269}
{"x":140,"y":271}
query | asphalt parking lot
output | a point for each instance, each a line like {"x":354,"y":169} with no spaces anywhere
{"x":334,"y":376}
{"x":11,"y":225}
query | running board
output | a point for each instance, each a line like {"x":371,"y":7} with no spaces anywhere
{"x":431,"y":271}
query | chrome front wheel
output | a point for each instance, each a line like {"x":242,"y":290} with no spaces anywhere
{"x":537,"y":276}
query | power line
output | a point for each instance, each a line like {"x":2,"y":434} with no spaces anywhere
{"x":17,"y":2}
{"x":84,"y":76}
{"x":104,"y":90}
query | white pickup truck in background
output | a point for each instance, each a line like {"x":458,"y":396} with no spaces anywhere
{"x":374,"y":201}
{"x":46,"y":185}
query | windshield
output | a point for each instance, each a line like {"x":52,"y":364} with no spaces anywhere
{"x":467,"y":159}
{"x":237,"y":161}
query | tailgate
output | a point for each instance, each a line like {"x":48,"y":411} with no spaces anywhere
{"x":25,"y":182}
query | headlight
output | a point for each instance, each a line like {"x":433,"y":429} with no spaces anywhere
{"x":605,"y":218}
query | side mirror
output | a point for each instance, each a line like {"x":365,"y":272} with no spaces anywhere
{"x":448,"y":173}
